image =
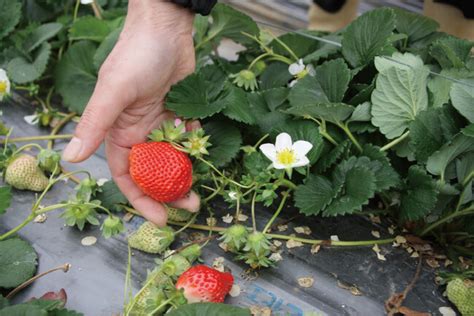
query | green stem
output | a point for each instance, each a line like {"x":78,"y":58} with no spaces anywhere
{"x":467,"y":211}
{"x":191,"y":220}
{"x":288,"y":49}
{"x":76,"y":10}
{"x":254,"y":221}
{"x":260,"y":141}
{"x":17,"y":228}
{"x":19,"y":150}
{"x":256,"y":60}
{"x":322,"y":130}
{"x":34,"y":138}
{"x":333,"y":242}
{"x":283,"y":59}
{"x":348,"y":132}
{"x":58,"y":127}
{"x":287,"y":183}
{"x":222,"y":175}
{"x":97,"y":10}
{"x":395,"y":141}
{"x":6,"y":140}
{"x":277,"y":212}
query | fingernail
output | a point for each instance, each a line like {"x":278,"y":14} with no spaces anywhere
{"x":72,"y":150}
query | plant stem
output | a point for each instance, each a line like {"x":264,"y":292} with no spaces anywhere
{"x":260,"y":141}
{"x":348,"y":132}
{"x":17,"y":228}
{"x":322,"y":130}
{"x":256,"y":60}
{"x":191,"y":220}
{"x":33,"y":138}
{"x":288,"y":49}
{"x":19,"y":150}
{"x":96,"y":9}
{"x":333,"y":242}
{"x":254,"y":221}
{"x":222,"y":175}
{"x":395,"y":141}
{"x":467,"y":211}
{"x":287,"y":183}
{"x":65,"y":268}
{"x":58,"y":127}
{"x":277,"y":212}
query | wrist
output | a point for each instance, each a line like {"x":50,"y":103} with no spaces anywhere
{"x":162,"y":13}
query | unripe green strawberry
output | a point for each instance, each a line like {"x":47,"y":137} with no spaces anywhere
{"x":461,"y":293}
{"x":235,"y":237}
{"x":148,"y":300}
{"x":48,"y":161}
{"x":178,"y":214}
{"x":151,"y":239}
{"x":23,"y":173}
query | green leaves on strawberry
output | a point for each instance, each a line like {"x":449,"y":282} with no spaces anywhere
{"x":79,"y":214}
{"x":48,"y":161}
{"x":23,"y":173}
{"x":151,"y":239}
{"x":461,"y":293}
{"x":192,"y":252}
{"x":235,"y":237}
{"x":256,"y":251}
{"x":112,"y":226}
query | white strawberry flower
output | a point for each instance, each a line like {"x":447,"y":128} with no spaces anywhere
{"x":299,"y":70}
{"x":5,"y":85}
{"x":31,"y":119}
{"x":87,"y":1}
{"x":285,"y":154}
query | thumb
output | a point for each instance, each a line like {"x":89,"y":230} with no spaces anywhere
{"x":109,"y":99}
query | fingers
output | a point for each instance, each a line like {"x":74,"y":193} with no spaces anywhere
{"x":109,"y":99}
{"x":191,"y":202}
{"x":192,"y":125}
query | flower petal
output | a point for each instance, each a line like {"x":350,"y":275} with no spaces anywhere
{"x":296,"y":68}
{"x":302,"y":161}
{"x":269,"y":151}
{"x":278,"y":165}
{"x":302,"y":147}
{"x":283,"y":141}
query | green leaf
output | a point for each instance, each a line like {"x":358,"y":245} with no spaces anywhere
{"x":305,"y":130}
{"x":106,"y":47}
{"x":307,"y":91}
{"x":399,"y":96}
{"x":358,"y":186}
{"x":331,"y":112}
{"x":265,"y":119}
{"x":5,"y":198}
{"x":361,"y":113}
{"x":274,"y":76}
{"x":64,"y":312}
{"x":17,"y":262}
{"x":239,"y":111}
{"x":462,"y":97}
{"x":299,"y":44}
{"x":76,"y":75}
{"x":368,"y":36}
{"x":420,"y":196}
{"x":10,"y":14}
{"x":23,"y":310}
{"x":440,"y":87}
{"x":336,"y":154}
{"x":334,"y":77}
{"x":111,"y":197}
{"x":209,"y":309}
{"x":225,"y":139}
{"x":416,"y":26}
{"x":275,"y":97}
{"x":23,"y":71}
{"x":3,"y":302}
{"x":40,"y":35}
{"x":89,"y":28}
{"x":425,"y":135}
{"x":468,"y":130}
{"x":451,"y":52}
{"x":385,"y":174}
{"x":439,"y":161}
{"x":194,"y":98}
{"x":230,"y":23}
{"x":325,"y":50}
{"x":313,"y":196}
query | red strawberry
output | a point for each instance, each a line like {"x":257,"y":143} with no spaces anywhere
{"x":204,"y":284}
{"x":161,"y":171}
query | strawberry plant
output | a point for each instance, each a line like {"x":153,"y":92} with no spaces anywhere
{"x":374,"y":119}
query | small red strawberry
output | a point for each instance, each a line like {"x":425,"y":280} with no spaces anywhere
{"x":161,"y":171}
{"x":204,"y":284}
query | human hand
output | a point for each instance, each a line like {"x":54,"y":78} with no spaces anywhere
{"x":154,"y":51}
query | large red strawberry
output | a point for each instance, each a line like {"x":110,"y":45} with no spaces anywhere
{"x":161,"y":171}
{"x":204,"y":284}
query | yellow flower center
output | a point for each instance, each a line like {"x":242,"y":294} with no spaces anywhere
{"x":286,"y":157}
{"x":302,"y":74}
{"x":3,"y":87}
